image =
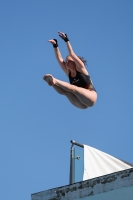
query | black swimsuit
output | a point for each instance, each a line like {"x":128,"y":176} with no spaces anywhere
{"x":81,"y":80}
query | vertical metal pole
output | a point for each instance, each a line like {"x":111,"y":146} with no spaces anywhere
{"x":71,"y":179}
{"x":72,"y":164}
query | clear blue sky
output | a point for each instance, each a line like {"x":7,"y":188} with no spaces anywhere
{"x":36,"y":123}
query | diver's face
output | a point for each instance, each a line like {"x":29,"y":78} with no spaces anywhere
{"x":70,"y":64}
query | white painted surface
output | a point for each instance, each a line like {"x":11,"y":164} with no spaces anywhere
{"x":125,"y":193}
{"x":115,"y":186}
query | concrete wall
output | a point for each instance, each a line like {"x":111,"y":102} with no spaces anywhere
{"x":115,"y":186}
{"x":124,"y":193}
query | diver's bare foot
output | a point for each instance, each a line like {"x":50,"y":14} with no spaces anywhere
{"x":49,"y":79}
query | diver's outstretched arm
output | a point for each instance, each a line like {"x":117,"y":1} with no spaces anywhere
{"x":58,"y":55}
{"x":79,"y":64}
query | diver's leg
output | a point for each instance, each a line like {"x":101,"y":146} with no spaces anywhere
{"x":86,"y":97}
{"x":71,"y":97}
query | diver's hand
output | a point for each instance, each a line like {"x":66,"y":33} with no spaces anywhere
{"x":53,"y":42}
{"x":63,"y":36}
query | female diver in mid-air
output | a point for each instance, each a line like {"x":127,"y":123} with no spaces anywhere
{"x":80,"y":92}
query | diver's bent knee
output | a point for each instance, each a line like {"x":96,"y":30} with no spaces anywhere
{"x":91,"y":103}
{"x":85,"y":107}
